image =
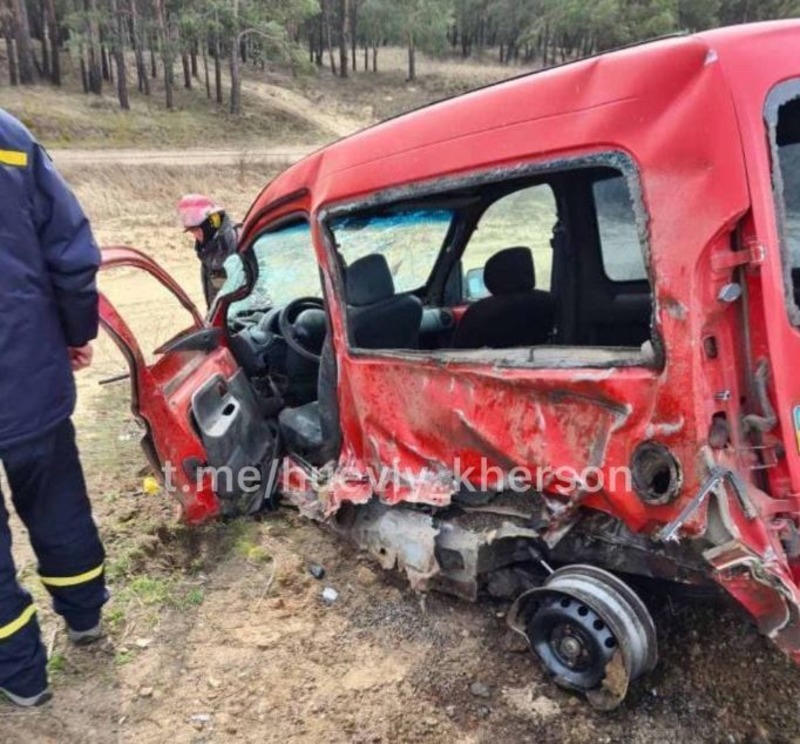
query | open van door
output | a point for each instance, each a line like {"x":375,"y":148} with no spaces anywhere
{"x":205,"y":435}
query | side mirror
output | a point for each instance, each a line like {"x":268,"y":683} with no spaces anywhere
{"x":474,"y":286}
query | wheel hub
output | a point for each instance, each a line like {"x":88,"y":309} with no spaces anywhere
{"x":569,"y":647}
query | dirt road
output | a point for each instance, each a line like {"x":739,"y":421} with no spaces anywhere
{"x":277,"y":155}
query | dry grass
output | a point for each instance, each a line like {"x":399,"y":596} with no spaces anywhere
{"x":472,"y":71}
{"x":147,"y":193}
{"x":387,"y":93}
{"x":65,"y":117}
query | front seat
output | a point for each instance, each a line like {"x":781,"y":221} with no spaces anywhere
{"x":378,"y":318}
{"x":517,"y":314}
{"x":312,"y":430}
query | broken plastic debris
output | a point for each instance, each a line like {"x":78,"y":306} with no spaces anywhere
{"x":329,"y":595}
{"x":317,"y":571}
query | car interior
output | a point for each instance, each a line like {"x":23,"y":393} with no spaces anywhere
{"x":492,"y":275}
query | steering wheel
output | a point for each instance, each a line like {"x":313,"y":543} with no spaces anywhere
{"x":289,"y":315}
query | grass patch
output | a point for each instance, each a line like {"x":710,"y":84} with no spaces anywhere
{"x":150,"y":591}
{"x":145,"y":597}
{"x":56,"y":664}
{"x":124,"y":657}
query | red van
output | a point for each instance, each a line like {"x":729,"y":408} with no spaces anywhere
{"x":527,"y":342}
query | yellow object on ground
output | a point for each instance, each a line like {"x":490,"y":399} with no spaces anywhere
{"x":151,"y":486}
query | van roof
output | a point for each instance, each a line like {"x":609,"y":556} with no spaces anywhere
{"x":655,"y":73}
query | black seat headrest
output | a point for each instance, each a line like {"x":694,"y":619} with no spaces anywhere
{"x":509,"y":271}
{"x":369,"y":280}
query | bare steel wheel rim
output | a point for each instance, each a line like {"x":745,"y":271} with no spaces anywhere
{"x":591,"y":631}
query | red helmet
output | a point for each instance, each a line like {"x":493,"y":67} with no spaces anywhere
{"x":194,"y":209}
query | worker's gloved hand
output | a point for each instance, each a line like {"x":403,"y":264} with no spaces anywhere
{"x":80,"y":357}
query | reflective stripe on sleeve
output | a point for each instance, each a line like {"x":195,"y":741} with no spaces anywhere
{"x":18,"y":158}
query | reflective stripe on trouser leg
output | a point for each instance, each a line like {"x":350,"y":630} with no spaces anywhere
{"x":62,"y":581}
{"x":49,"y":493}
{"x":76,"y":597}
{"x":18,"y":623}
{"x":23,"y":659}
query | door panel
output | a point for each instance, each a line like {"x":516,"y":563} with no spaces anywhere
{"x":196,"y":407}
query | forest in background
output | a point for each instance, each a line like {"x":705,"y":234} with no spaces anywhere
{"x":124,"y":43}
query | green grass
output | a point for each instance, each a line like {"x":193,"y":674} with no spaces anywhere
{"x":56,"y":664}
{"x":124,"y":657}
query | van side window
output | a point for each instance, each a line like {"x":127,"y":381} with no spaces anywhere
{"x":546,"y":267}
{"x":523,"y":218}
{"x":623,"y":260}
{"x":787,"y":188}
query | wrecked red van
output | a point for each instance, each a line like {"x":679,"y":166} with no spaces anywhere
{"x":528,"y":342}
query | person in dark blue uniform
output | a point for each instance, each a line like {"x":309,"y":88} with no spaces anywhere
{"x":48,"y":317}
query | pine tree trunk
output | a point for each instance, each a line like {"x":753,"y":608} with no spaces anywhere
{"x":25,"y":65}
{"x":217,"y":66}
{"x":236,"y":80}
{"x":166,"y":59}
{"x":95,"y":72}
{"x":366,"y":56}
{"x":205,"y":68}
{"x":187,"y":70}
{"x":118,"y":50}
{"x":193,"y":60}
{"x":55,"y":42}
{"x":343,"y":50}
{"x":320,"y":46}
{"x":45,"y":41}
{"x":354,"y":32}
{"x":84,"y":70}
{"x":236,"y":74}
{"x":327,"y":8}
{"x":104,"y":63}
{"x":13,"y":75}
{"x":153,"y":65}
{"x":374,"y":57}
{"x":412,"y":58}
{"x":138,"y":41}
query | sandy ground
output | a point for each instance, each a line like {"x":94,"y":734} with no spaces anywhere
{"x":221,"y":634}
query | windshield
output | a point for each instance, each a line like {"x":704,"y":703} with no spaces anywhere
{"x":287,"y":269}
{"x":411,"y":240}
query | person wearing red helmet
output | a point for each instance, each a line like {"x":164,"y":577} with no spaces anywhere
{"x":215,"y":238}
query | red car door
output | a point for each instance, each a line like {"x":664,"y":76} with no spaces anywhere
{"x":204,"y":435}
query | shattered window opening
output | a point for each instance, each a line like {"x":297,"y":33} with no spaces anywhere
{"x":410,"y":239}
{"x":623,"y":260}
{"x":286,"y":268}
{"x":577,"y":308}
{"x":783,"y":120}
